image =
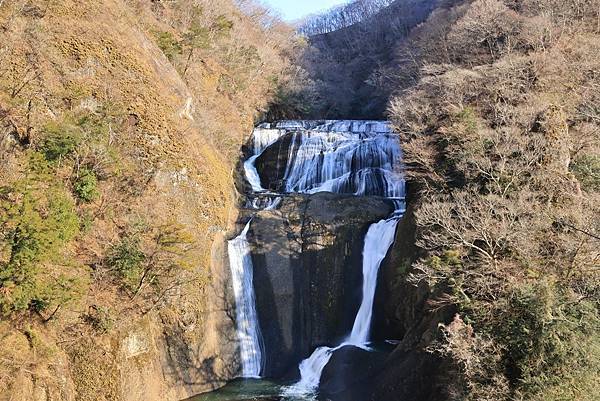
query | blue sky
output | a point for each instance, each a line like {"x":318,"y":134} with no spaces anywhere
{"x":295,"y":9}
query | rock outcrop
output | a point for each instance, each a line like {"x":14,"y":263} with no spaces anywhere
{"x":273,"y":161}
{"x":308,"y":267}
{"x":402,"y":314}
{"x":351,"y":373}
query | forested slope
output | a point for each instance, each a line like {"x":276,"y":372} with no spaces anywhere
{"x":351,"y":48}
{"x":498,"y":109}
{"x":120,"y":122}
{"x":497,"y":104}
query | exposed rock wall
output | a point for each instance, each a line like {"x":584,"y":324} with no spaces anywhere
{"x":402,"y":313}
{"x":308,"y":267}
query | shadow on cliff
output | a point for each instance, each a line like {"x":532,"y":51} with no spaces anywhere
{"x":307,"y":258}
{"x":205,"y":358}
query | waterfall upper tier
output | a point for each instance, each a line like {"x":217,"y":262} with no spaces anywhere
{"x":365,"y":126}
{"x":348,"y":157}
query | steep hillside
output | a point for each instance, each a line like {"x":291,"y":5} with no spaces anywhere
{"x":120,"y":122}
{"x":348,"y":61}
{"x":497,"y":107}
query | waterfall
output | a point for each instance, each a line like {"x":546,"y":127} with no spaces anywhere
{"x":310,"y":371}
{"x":252,"y":175}
{"x":248,"y":331}
{"x":348,"y":157}
{"x":262,"y":139}
{"x":344,"y":162}
{"x":362,"y":158}
{"x":378,"y":241}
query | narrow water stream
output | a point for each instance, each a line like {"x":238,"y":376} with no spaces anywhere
{"x":248,"y":330}
{"x":378,"y":240}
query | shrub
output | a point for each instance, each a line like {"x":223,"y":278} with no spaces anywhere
{"x":169,"y":45}
{"x":86,"y":185}
{"x":587,"y":170}
{"x":126,"y":258}
{"x":550,"y":337}
{"x":151,"y":260}
{"x":468,"y":118}
{"x":37,"y":222}
{"x":59,"y":140}
{"x":101,"y":319}
{"x":222,"y":26}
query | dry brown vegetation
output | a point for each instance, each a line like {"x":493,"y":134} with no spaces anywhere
{"x":350,"y":50}
{"x":498,"y":112}
{"x":120,"y":121}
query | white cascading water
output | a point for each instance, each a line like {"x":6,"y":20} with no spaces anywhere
{"x":354,"y":157}
{"x":352,"y":163}
{"x":248,"y":331}
{"x":378,"y":240}
{"x":350,"y":157}
{"x":252,"y":175}
{"x":240,"y":262}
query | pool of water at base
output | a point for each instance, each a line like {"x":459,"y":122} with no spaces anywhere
{"x":251,"y":390}
{"x":267,"y":390}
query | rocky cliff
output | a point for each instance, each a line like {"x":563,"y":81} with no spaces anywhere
{"x":136,"y":111}
{"x":308,"y":271}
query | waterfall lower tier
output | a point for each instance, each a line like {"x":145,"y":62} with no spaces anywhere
{"x":310,"y":371}
{"x":378,"y":241}
{"x":248,"y":331}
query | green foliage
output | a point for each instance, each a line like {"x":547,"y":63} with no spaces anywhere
{"x":468,"y":118}
{"x":37,"y":343}
{"x":587,"y":170}
{"x":149,"y":260}
{"x":86,"y":185}
{"x":59,"y":140}
{"x":222,"y":26}
{"x":126,"y":258}
{"x":198,"y":37}
{"x":551,"y":338}
{"x":450,"y":259}
{"x":169,"y":45}
{"x":37,"y":222}
{"x":101,"y":319}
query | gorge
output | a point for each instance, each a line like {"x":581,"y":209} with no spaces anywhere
{"x":393,"y":200}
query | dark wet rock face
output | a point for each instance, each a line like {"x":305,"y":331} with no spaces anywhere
{"x":412,"y":376}
{"x":401,"y":313}
{"x":351,"y":372}
{"x":307,"y":260}
{"x":273,"y":161}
